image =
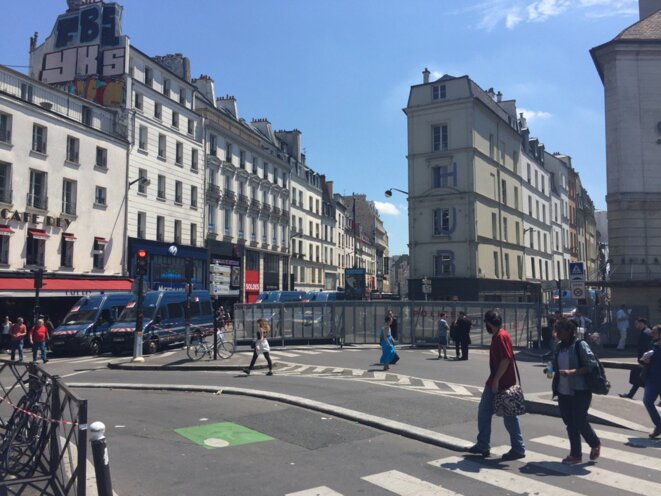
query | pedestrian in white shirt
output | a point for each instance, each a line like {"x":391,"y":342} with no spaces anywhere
{"x":622,"y":322}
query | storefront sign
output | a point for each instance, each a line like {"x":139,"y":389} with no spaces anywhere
{"x":30,"y":218}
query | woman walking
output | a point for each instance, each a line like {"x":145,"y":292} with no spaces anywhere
{"x":572,"y":361}
{"x":443,"y":329}
{"x":387,"y":345}
{"x":652,"y":360}
{"x":261,"y":346}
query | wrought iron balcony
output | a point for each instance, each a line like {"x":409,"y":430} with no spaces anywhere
{"x":213,"y":192}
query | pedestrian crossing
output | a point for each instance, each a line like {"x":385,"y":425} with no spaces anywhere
{"x":385,"y":378}
{"x":539,"y":473}
{"x":99,"y":359}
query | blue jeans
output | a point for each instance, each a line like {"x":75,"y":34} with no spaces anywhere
{"x":17,"y":345}
{"x":652,"y":391}
{"x":484,"y":415}
{"x":37,"y":346}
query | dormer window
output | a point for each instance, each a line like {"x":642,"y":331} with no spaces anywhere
{"x":438,"y":92}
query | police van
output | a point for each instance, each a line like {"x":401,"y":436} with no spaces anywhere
{"x":164,"y":320}
{"x":86,"y":324}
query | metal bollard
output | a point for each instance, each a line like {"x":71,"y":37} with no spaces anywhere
{"x":97,"y":433}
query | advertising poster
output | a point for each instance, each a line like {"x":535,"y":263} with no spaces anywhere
{"x":354,"y":288}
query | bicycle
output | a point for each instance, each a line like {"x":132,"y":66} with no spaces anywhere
{"x":25,"y":432}
{"x":200,"y":347}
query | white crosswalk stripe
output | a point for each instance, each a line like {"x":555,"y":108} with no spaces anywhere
{"x":511,"y":478}
{"x":315,"y":491}
{"x":499,"y":478}
{"x":629,"y":439}
{"x":588,"y":472}
{"x":406,"y":485}
{"x":648,"y":462}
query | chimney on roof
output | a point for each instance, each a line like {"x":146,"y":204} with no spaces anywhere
{"x":176,"y":63}
{"x":204,"y":85}
{"x":523,"y":121}
{"x":499,"y":97}
{"x":425,"y":76}
{"x":491,"y":93}
{"x":228,"y":102}
{"x":648,"y":7}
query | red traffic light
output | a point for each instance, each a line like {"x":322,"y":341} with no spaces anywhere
{"x":141,"y":254}
{"x":141,"y":262}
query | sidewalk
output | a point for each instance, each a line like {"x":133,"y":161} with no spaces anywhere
{"x":159,"y":361}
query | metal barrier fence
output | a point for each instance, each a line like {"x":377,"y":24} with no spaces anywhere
{"x":43,"y":433}
{"x":358,"y":322}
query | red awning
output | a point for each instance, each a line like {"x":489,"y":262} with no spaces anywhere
{"x":101,"y":241}
{"x":6,"y":231}
{"x":24,"y":286}
{"x":38,"y":233}
{"x":69,"y":237}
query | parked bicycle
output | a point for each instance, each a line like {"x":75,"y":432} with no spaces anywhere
{"x":200,"y":346}
{"x":26,"y":431}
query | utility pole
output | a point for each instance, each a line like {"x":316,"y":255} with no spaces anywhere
{"x":38,"y":284}
{"x":141,"y":269}
{"x":189,"y":290}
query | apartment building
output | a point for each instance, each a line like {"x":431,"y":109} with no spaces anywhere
{"x":247,"y":198}
{"x":154,"y":100}
{"x":484,"y":220}
{"x":62,"y":184}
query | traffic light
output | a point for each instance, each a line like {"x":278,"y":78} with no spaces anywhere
{"x":38,"y":278}
{"x":141,"y":262}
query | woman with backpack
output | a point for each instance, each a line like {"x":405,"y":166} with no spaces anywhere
{"x":572,"y":361}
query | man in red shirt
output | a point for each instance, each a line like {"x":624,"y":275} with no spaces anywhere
{"x":16,"y":336}
{"x":502,"y":376}
{"x":38,"y":338}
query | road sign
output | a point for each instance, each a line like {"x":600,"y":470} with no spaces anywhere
{"x":549,"y":285}
{"x":578,"y":290}
{"x":576,"y":271}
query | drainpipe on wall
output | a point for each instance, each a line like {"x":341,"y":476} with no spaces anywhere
{"x":125,"y":255}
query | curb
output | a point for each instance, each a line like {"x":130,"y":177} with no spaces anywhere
{"x":193,"y":368}
{"x":419,"y":434}
{"x":551,"y":409}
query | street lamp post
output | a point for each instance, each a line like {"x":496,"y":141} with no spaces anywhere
{"x":295,"y":234}
{"x":388,"y":192}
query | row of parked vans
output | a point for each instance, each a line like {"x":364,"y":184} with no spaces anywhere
{"x":106,"y":322}
{"x":299,"y":296}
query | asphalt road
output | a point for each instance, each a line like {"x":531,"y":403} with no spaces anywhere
{"x":290,"y":450}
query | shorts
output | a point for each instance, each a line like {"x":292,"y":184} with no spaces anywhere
{"x":442,"y":340}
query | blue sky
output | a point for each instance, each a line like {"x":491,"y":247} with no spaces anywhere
{"x":340,"y":70}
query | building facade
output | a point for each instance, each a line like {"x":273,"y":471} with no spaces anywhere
{"x":484,"y":210}
{"x":62,"y":177}
{"x":629,"y":69}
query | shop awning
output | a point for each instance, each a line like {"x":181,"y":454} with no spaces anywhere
{"x":101,"y":241}
{"x":69,"y":237}
{"x":21,"y":287}
{"x":38,"y":233}
{"x":6,"y":231}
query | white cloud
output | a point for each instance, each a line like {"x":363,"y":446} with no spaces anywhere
{"x":534,"y":115}
{"x":512,"y":13}
{"x":386,"y":208}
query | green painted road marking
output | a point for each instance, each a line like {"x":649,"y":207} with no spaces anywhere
{"x":220,"y":435}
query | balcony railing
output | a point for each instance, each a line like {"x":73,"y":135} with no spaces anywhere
{"x":69,"y":207}
{"x":5,"y":195}
{"x":37,"y":201}
{"x":255,"y":203}
{"x":266,"y":207}
{"x":229,"y":195}
{"x":276,"y":210}
{"x":213,"y":192}
{"x":243,"y":200}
